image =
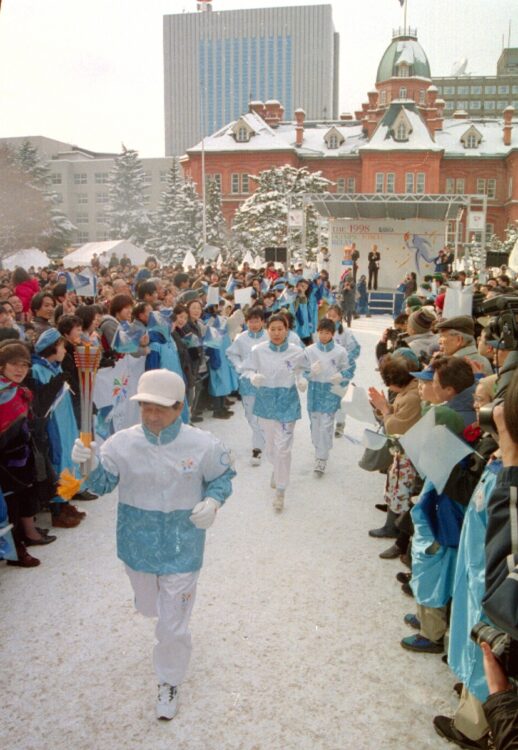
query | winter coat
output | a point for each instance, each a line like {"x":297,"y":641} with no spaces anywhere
{"x":163,"y":354}
{"x":161,"y":478}
{"x":465,"y":656}
{"x":333,"y":359}
{"x":471,"y":352}
{"x":406,"y":410}
{"x":423,"y":344}
{"x":348,"y":301}
{"x":238,"y":354}
{"x":278,"y":398}
{"x":222,"y":378}
{"x":501,"y":710}
{"x":462,"y":403}
{"x":40,"y":325}
{"x":26,"y":291}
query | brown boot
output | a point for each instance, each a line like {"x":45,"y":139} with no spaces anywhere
{"x":24,"y":559}
{"x":64,"y":521}
{"x":72,"y":510}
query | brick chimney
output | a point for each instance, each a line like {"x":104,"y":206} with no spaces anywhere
{"x":508,"y":125}
{"x":460,"y":114}
{"x":346,"y":117}
{"x":273,"y":113}
{"x":257,"y":107}
{"x":300,"y":116}
{"x":440,"y":104}
{"x":373,"y":99}
{"x":431,"y":95}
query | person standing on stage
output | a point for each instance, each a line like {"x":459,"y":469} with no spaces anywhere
{"x":373,"y":259}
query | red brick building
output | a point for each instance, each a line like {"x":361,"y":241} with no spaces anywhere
{"x":398,"y":142}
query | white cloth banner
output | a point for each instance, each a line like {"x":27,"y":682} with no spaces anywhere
{"x":356,"y":405}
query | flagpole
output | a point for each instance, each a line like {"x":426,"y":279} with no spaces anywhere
{"x":404,"y":27}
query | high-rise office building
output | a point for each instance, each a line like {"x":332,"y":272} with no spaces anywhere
{"x":215,"y":63}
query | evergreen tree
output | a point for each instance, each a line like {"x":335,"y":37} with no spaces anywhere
{"x":262,"y":219}
{"x":24,"y":210}
{"x":216,"y":228}
{"x":57,"y":237}
{"x":193,"y":213}
{"x":127,"y":215}
{"x":176,"y":226}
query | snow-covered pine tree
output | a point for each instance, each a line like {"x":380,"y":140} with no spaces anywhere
{"x":216,"y":227}
{"x":127,"y":215}
{"x":262,"y":219}
{"x":58,"y":236}
{"x":193,"y":207}
{"x":176,"y":224}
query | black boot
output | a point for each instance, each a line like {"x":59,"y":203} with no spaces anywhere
{"x":389,"y":530}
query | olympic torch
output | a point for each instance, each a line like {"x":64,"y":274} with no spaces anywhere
{"x":87,"y":358}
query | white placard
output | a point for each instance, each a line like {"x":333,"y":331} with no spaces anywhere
{"x":213,"y":295}
{"x":243,"y":297}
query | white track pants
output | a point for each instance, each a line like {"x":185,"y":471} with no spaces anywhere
{"x":322,"y":429}
{"x":253,"y":421}
{"x":340,"y":416}
{"x":279,"y":441}
{"x":171,"y":599}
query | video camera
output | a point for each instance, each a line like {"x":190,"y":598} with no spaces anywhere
{"x":503,"y":327}
{"x":501,"y":644}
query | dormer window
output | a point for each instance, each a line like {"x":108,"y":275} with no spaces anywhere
{"x":401,"y":132}
{"x":402,"y":128}
{"x":402,"y":92}
{"x":333,"y":138}
{"x":383,"y":97}
{"x":403,"y":70}
{"x":243,"y":135}
{"x":242,"y":130}
{"x":471,"y":138}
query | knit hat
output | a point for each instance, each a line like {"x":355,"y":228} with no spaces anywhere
{"x":161,"y":387}
{"x":461,"y":323}
{"x":46,"y":339}
{"x":414,"y":301}
{"x":409,"y":355}
{"x":421,"y":321}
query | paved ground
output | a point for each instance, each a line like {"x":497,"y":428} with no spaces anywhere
{"x":296,"y":628}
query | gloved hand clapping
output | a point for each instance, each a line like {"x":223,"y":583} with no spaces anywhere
{"x":336,"y":379}
{"x":257,"y":380}
{"x":81,"y":454}
{"x":204,"y":513}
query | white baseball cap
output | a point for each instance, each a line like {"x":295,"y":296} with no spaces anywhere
{"x":160,"y":387}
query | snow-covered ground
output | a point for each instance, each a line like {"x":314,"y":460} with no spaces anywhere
{"x":296,"y":628}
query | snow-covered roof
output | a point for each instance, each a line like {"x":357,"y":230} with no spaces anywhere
{"x":419,"y":138}
{"x":283,"y":137}
{"x":492,"y":143}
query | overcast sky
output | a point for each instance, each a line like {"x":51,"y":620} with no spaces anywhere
{"x":91,"y":73}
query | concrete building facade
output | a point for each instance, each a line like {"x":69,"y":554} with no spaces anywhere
{"x":481,"y":95}
{"x":399,"y":141}
{"x":80,"y":180}
{"x":217,"y":62}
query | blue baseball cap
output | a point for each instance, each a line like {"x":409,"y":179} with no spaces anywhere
{"x":426,"y":374}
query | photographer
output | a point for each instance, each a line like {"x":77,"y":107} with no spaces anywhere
{"x":392,"y":338}
{"x":501,"y":599}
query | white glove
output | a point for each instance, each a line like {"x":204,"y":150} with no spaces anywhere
{"x":302,"y":384}
{"x":204,"y":513}
{"x":81,"y":454}
{"x":258,"y":380}
{"x":336,"y":379}
{"x":316,"y":368}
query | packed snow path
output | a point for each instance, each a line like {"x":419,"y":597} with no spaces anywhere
{"x":296,"y":627}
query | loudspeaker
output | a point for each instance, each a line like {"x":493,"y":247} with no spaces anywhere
{"x":276,"y":254}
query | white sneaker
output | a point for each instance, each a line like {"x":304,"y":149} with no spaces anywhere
{"x":272,"y":481}
{"x":339,"y":429}
{"x":256,"y":457}
{"x":278,"y":501}
{"x":320,"y":467}
{"x":167,"y":701}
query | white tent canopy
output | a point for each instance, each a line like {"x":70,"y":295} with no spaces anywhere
{"x":84,"y":254}
{"x":32,"y":257}
{"x":513,"y":258}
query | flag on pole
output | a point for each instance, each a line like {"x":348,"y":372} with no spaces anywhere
{"x":84,"y":283}
{"x":127,"y":338}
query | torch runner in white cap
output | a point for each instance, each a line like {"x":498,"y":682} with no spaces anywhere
{"x":172,"y":480}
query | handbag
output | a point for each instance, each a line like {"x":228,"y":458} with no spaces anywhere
{"x":378,"y":459}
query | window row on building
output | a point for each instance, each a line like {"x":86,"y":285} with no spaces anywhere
{"x":385,"y":182}
{"x":488,"y":105}
{"x":457,"y":186}
{"x":477,"y":90}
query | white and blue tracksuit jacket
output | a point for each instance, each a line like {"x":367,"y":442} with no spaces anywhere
{"x":345,"y":338}
{"x":239,"y":352}
{"x":278,"y":398}
{"x":333,"y":359}
{"x":161,"y":478}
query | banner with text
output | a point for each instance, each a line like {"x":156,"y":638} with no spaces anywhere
{"x":410,"y":245}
